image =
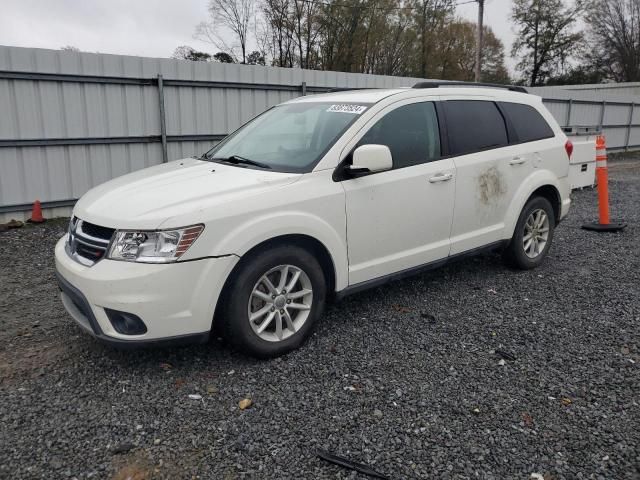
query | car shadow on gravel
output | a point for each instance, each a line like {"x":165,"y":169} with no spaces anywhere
{"x":216,"y":350}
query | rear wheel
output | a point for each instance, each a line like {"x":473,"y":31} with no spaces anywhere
{"x":533,"y":235}
{"x":273,"y":301}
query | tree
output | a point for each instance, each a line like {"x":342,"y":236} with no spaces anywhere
{"x":492,"y":64}
{"x":389,"y":37}
{"x":232,"y":15}
{"x":614,"y":34}
{"x":455,"y":54}
{"x":222,"y":57}
{"x":256,"y":58}
{"x":546,"y":39}
{"x":184,"y":52}
{"x":279,"y":40}
{"x":431,"y":17}
{"x":369,"y":36}
{"x":305,"y":29}
{"x":578,"y":75}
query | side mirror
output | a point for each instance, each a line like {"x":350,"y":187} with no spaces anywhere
{"x":369,"y":159}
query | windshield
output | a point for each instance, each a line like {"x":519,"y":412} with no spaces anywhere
{"x":287,"y":138}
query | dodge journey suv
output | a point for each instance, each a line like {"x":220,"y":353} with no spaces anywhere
{"x":314,"y":199}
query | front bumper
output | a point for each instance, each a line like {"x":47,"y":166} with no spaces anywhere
{"x":176,"y":301}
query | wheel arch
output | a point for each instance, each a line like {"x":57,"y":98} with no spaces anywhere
{"x":552,"y":194}
{"x":543,"y":184}
{"x":309,"y":243}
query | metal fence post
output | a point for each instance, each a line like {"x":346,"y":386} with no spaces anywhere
{"x":163,"y":122}
{"x":602,"y":110}
{"x":304,"y":89}
{"x":568,"y":121}
{"x":629,"y":124}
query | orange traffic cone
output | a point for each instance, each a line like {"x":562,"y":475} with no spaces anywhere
{"x":36,"y":213}
{"x":602,"y":176}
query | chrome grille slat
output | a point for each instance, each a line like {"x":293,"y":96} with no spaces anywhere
{"x":81,"y":233}
{"x":88,"y":243}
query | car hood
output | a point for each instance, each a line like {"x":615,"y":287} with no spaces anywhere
{"x":147,"y":198}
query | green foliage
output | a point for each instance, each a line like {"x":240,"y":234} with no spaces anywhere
{"x":425,"y":38}
{"x":421,"y":38}
{"x":456,"y":55}
{"x":579,"y":75}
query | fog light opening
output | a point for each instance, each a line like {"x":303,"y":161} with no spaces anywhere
{"x":126,"y":323}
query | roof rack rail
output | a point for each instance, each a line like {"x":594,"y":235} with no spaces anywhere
{"x":347,"y":89}
{"x":512,"y":88}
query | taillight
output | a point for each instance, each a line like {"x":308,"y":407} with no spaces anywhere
{"x":569,"y":148}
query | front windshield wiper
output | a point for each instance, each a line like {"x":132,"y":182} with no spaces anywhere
{"x":238,"y":160}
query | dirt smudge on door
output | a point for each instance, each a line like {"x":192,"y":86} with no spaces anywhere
{"x":491,"y":185}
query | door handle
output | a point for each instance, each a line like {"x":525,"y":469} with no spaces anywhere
{"x":441,"y":177}
{"x":517,"y":160}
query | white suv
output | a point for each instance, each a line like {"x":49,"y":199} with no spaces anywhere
{"x":316,"y":198}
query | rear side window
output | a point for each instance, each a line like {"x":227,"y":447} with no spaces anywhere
{"x":527,"y":122}
{"x":474,"y":125}
{"x":411,"y":132}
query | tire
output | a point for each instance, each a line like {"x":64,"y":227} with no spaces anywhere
{"x":241,"y":332}
{"x":525,"y":259}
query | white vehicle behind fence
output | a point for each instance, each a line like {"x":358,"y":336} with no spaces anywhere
{"x":316,"y":198}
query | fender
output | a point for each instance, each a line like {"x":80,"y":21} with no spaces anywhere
{"x":537,"y":179}
{"x":255,"y":231}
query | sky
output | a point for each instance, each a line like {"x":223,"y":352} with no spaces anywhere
{"x":152,"y":28}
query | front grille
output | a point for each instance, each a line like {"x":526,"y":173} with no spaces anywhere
{"x":97,"y":231}
{"x":88,"y":241}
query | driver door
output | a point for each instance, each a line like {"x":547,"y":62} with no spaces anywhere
{"x":401,"y":218}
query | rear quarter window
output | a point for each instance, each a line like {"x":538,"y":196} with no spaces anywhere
{"x":527,"y":122}
{"x":474,"y":125}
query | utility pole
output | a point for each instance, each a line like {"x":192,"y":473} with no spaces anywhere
{"x":479,"y":40}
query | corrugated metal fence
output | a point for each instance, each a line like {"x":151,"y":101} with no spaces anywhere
{"x":73,"y":120}
{"x":617,"y":115}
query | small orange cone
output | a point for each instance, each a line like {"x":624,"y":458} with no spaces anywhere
{"x":36,"y":213}
{"x":604,"y":223}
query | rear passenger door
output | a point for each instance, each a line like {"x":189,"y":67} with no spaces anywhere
{"x":534,"y":135}
{"x":489,"y":170}
{"x":401,"y":218}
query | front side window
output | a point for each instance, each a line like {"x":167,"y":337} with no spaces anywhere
{"x":288,"y":138}
{"x":527,"y":122}
{"x":474,"y":125}
{"x":411,"y":132}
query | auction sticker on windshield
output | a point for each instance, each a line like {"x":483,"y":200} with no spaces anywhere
{"x":346,"y":108}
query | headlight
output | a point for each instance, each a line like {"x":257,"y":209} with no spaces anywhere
{"x":161,"y":246}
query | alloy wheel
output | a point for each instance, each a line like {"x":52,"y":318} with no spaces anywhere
{"x":536,"y":233}
{"x":280,"y":303}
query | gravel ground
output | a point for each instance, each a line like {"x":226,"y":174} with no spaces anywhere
{"x":405,"y":378}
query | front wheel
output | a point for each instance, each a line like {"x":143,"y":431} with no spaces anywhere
{"x":533,"y":235}
{"x":273,"y":301}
